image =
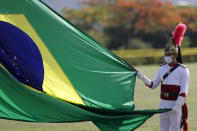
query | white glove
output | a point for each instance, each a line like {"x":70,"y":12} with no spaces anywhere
{"x":140,"y":75}
{"x":179,"y":103}
{"x":145,"y":79}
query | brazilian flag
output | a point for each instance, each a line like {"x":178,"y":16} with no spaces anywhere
{"x":50,"y":71}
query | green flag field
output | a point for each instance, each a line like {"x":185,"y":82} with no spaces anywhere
{"x":51,"y":72}
{"x":145,"y":98}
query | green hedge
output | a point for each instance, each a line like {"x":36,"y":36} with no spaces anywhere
{"x":153,"y":56}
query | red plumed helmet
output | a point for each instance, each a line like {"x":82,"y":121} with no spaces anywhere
{"x":178,"y":34}
{"x":173,"y":46}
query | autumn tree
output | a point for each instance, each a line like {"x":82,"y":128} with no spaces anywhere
{"x":131,"y":23}
{"x":149,"y":20}
{"x":90,"y":18}
{"x":189,"y":17}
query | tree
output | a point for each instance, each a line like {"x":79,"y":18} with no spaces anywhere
{"x":144,"y":18}
{"x":115,"y":23}
{"x":90,"y":19}
{"x":189,"y":17}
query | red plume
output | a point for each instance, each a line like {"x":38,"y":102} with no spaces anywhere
{"x":178,"y":33}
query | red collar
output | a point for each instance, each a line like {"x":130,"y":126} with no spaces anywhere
{"x":171,"y":65}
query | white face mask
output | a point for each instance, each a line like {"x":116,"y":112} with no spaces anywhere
{"x":168,"y":59}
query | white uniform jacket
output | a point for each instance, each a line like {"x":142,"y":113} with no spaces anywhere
{"x":178,"y":80}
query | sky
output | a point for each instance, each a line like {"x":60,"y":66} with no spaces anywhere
{"x":183,"y":2}
{"x":58,"y":5}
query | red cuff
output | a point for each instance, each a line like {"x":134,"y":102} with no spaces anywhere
{"x":183,"y":95}
{"x":150,"y":86}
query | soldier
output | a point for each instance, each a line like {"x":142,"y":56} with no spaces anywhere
{"x":174,"y":79}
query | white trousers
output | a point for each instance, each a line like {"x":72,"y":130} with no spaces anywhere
{"x":170,"y":121}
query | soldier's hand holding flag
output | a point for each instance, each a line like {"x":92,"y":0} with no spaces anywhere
{"x":144,"y":78}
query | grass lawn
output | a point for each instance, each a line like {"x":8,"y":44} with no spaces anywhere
{"x":145,"y":98}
